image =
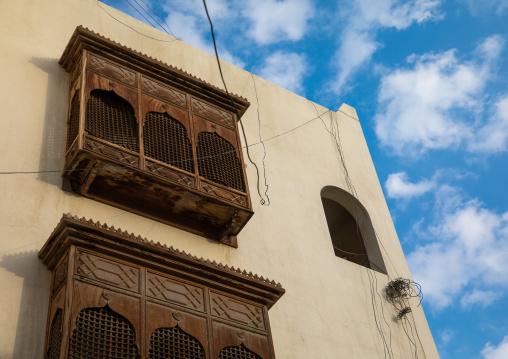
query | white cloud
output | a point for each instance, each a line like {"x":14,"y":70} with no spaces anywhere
{"x":493,"y":137}
{"x":194,"y":30}
{"x":447,"y":335}
{"x":398,"y":186}
{"x":286,"y":70}
{"x":476,"y":7}
{"x":398,"y":14}
{"x":466,"y":248}
{"x":419,"y":107}
{"x":273,"y":21}
{"x":479,"y":297}
{"x":355,"y":50}
{"x":493,"y":352}
{"x":358,"y":41}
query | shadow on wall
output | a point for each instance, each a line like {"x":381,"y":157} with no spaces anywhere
{"x":33,"y":307}
{"x":55,"y":113}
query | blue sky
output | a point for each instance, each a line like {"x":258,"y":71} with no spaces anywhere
{"x":429,"y":81}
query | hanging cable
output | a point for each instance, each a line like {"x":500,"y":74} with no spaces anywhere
{"x":167,"y":28}
{"x":173,"y":162}
{"x":334,"y":133}
{"x":260,"y":140}
{"x":133,"y":29}
{"x":262,"y":201}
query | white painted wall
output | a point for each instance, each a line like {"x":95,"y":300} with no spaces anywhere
{"x":327,"y":311}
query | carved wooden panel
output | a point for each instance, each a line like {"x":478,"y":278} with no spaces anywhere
{"x":76,"y":72}
{"x":71,"y":153}
{"x":151,"y":104}
{"x":235,"y":343}
{"x":107,"y":271}
{"x":223,"y":193}
{"x":110,"y":151}
{"x":163,"y":92}
{"x":171,"y":332}
{"x":213,"y":113}
{"x":178,"y":177}
{"x":143,"y":119}
{"x":231,"y":309}
{"x":60,"y":274}
{"x":96,"y":82}
{"x":107,"y":68}
{"x":183,"y":294}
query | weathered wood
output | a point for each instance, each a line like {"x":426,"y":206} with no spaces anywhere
{"x":193,"y":304}
{"x":156,"y":184}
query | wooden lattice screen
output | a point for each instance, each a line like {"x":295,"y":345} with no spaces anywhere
{"x":165,"y":139}
{"x":103,"y":334}
{"x":73,"y":124}
{"x":174,"y":343}
{"x":55,"y":336}
{"x":238,"y":352}
{"x":218,"y":161}
{"x":118,"y":296}
{"x":111,"y":118}
{"x":132,"y":140}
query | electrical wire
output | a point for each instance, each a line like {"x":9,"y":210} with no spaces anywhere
{"x":260,"y":140}
{"x":262,"y":201}
{"x":402,"y":288}
{"x":334,"y":133}
{"x":167,"y":28}
{"x":133,"y":29}
{"x":175,"y":162}
{"x":418,"y":336}
{"x":352,"y":190}
{"x":140,"y":13}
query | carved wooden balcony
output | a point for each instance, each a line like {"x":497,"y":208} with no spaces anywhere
{"x":119,"y":296}
{"x":153,"y":140}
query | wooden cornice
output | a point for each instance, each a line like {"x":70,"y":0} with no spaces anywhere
{"x":110,"y":241}
{"x":83,"y":38}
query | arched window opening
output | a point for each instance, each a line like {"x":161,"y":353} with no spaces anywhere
{"x":238,"y":352}
{"x":165,"y":139}
{"x":174,"y":343}
{"x":218,"y":161}
{"x":351,"y":231}
{"x":111,"y":118}
{"x":102,"y":333}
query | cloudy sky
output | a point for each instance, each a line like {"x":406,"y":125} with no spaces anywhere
{"x":429,"y":81}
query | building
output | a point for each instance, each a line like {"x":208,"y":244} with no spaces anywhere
{"x":333,"y":304}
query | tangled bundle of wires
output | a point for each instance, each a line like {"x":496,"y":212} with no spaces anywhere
{"x":399,"y":290}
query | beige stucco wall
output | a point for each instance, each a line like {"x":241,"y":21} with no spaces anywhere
{"x":327,"y":311}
